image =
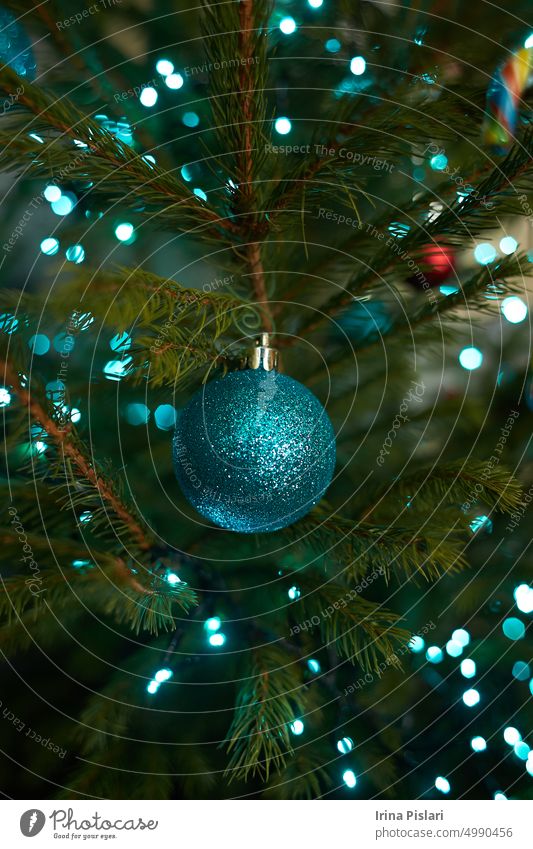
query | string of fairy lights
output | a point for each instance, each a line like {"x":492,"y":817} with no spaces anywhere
{"x":513,"y":628}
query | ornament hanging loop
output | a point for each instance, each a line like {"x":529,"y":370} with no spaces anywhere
{"x":262,"y":355}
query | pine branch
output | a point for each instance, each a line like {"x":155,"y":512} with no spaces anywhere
{"x":362,"y":548}
{"x":70,"y":452}
{"x":305,"y":776}
{"x":361,"y":631}
{"x":505,"y":278}
{"x":112,"y":166}
{"x":456,"y":483}
{"x":259,"y":738}
{"x":111,"y":588}
{"x":181,"y":329}
{"x":458,"y":225}
{"x":389,"y":135}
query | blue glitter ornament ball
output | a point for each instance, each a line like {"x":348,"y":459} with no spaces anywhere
{"x":15,"y":46}
{"x":254,"y":451}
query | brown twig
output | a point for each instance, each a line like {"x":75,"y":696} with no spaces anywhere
{"x":253,"y":254}
{"x":245,"y":161}
{"x":62,"y":438}
{"x":125,"y":573}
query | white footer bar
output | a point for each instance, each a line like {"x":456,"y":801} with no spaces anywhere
{"x":267,"y":824}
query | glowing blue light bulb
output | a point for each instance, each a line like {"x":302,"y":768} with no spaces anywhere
{"x":190,"y":119}
{"x":499,"y":796}
{"x":39,"y":344}
{"x":434,"y":654}
{"x":513,"y":628}
{"x":52,"y":193}
{"x":333,"y":45}
{"x":137,"y":414}
{"x":282,"y":126}
{"x":485,"y":253}
{"x":212,"y":624}
{"x":75,"y":415}
{"x":124,"y":231}
{"x":49,"y":246}
{"x":521,"y":670}
{"x":163,"y":675}
{"x":173,"y":579}
{"x":349,"y":778}
{"x":117,"y":369}
{"x":416,"y":644}
{"x":461,"y":636}
{"x":315,"y":4}
{"x":479,"y":744}
{"x":164,"y":67}
{"x":314,"y":666}
{"x":521,"y":750}
{"x":86,"y":517}
{"x":523,"y":595}
{"x":345,"y":745}
{"x":471,"y":697}
{"x":297,"y":727}
{"x":453,"y":648}
{"x":481,"y":523}
{"x":470,"y":358}
{"x":287,"y":25}
{"x":399,"y":229}
{"x":165,"y":416}
{"x":442,"y":784}
{"x":148,"y":97}
{"x":121,"y":342}
{"x":508,"y":245}
{"x":199,"y":194}
{"x":514,"y":309}
{"x":357,"y":65}
{"x":468,"y":668}
{"x":174,"y":81}
{"x":8,"y":323}
{"x":5,"y":397}
{"x":511,"y":735}
{"x":75,"y":254}
{"x":529,"y":41}
{"x":217,"y":640}
{"x":294,"y":593}
{"x":55,"y":390}
{"x":438,"y":162}
{"x":152,"y":687}
{"x":63,"y":206}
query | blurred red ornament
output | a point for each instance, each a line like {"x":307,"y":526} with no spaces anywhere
{"x":438,"y":262}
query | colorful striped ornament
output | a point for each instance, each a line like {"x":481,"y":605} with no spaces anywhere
{"x":503,"y":96}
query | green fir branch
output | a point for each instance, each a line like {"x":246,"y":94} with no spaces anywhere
{"x":269,"y":700}
{"x":361,"y":631}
